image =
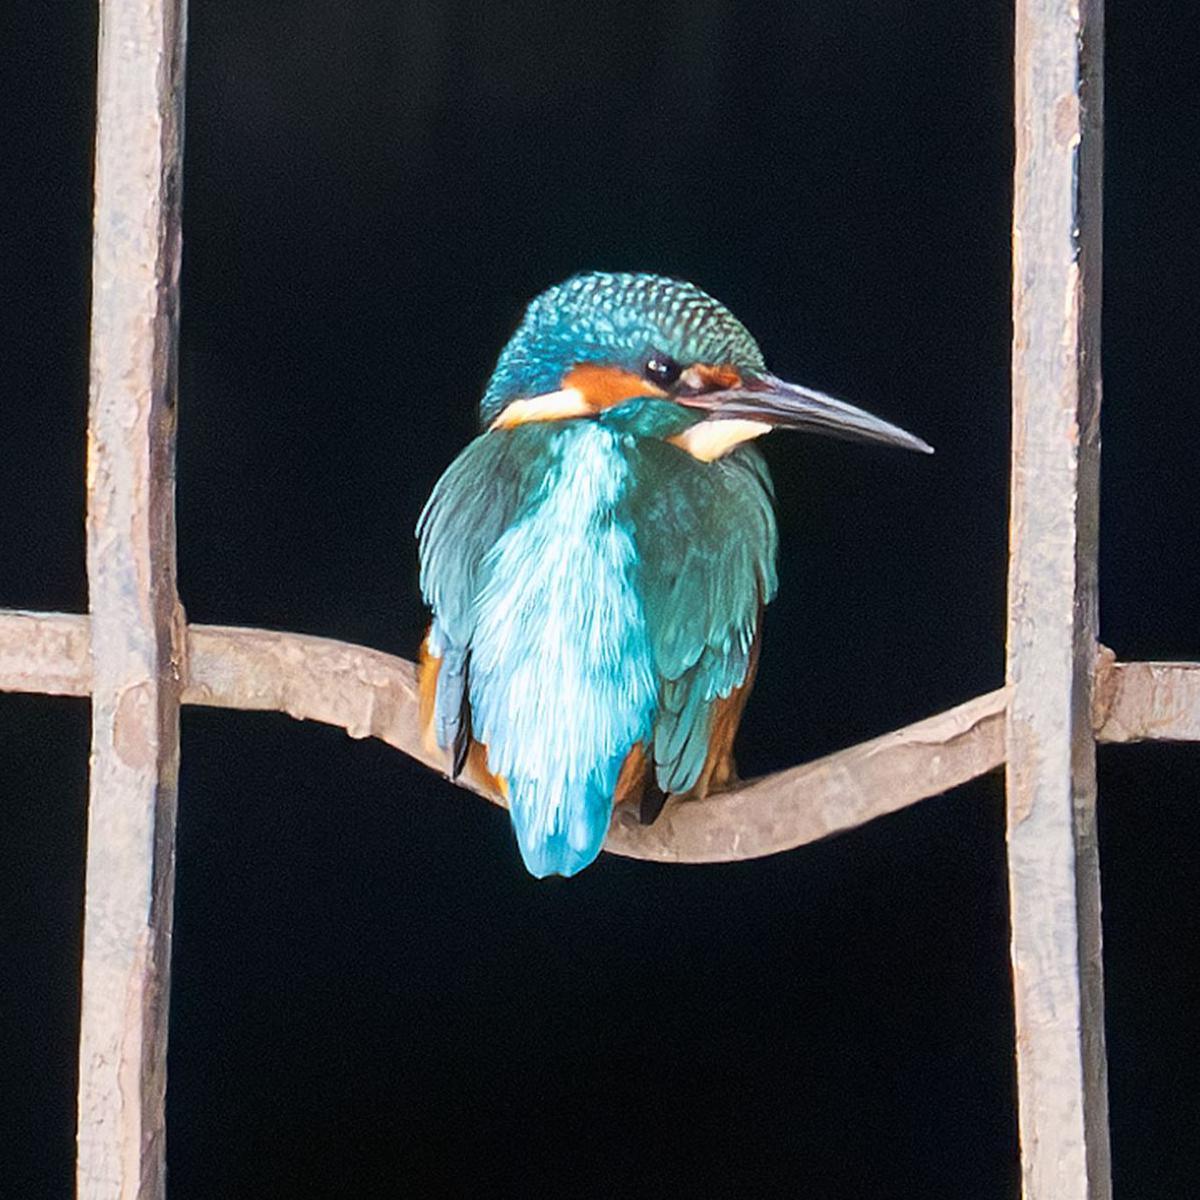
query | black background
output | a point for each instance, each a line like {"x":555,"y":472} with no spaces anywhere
{"x":369,"y":994}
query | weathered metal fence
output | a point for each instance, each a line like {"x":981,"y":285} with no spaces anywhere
{"x":138,"y":660}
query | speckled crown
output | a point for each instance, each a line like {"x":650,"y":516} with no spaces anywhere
{"x":619,"y":318}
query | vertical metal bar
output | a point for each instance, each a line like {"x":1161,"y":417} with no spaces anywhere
{"x":137,"y":627}
{"x":1054,"y":882}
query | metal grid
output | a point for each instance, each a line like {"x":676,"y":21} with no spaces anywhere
{"x":138,"y":659}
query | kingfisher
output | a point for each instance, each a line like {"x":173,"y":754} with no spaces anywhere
{"x":598,"y":558}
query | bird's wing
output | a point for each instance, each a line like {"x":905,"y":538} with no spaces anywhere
{"x":707,"y":541}
{"x":479,"y":495}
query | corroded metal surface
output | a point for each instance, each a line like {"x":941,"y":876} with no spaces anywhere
{"x":136,"y":625}
{"x":1144,"y":701}
{"x":1054,"y":880}
{"x":45,"y":652}
{"x":840,"y":791}
{"x":372,"y":694}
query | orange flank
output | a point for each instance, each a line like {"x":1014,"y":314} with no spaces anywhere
{"x":631,"y":782}
{"x":427,"y":677}
{"x":475,"y":769}
{"x":720,"y":770}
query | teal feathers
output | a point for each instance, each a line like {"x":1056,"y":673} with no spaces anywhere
{"x":614,"y":318}
{"x":707,"y":567}
{"x":606,"y":587}
{"x":598,"y":558}
{"x":595,"y":588}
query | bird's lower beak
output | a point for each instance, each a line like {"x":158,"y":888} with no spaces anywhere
{"x":789,"y":406}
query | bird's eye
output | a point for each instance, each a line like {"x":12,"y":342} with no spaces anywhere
{"x":662,"y":370}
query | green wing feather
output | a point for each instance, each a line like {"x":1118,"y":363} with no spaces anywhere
{"x":482,"y":492}
{"x":707,"y":543}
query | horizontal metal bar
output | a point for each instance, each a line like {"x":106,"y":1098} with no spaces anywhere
{"x":372,"y":694}
{"x":48,"y":653}
{"x":1147,"y":701}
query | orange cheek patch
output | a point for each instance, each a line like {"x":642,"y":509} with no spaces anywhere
{"x":604,"y":387}
{"x":704,"y":377}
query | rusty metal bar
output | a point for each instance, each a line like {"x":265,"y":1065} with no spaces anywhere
{"x":367,"y":692}
{"x":48,"y":653}
{"x":1054,"y":880}
{"x":137,"y":631}
{"x":1148,"y":701}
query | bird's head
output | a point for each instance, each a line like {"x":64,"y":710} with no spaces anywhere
{"x":600,"y":340}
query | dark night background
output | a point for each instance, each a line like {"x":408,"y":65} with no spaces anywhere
{"x":369,"y":994}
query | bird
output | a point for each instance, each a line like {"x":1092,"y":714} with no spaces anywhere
{"x":597,"y":559}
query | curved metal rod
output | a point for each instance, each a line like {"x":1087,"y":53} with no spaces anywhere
{"x":371,"y":694}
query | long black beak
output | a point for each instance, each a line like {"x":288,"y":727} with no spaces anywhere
{"x":790,"y":406}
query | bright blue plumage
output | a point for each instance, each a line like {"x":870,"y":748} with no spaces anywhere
{"x":598,"y":558}
{"x":562,"y":682}
{"x":546,"y":553}
{"x":614,"y":318}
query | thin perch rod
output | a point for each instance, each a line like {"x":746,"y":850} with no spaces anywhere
{"x":373,"y":695}
{"x":369,"y":693}
{"x":48,"y":653}
{"x":137,"y":630}
{"x":1053,"y":868}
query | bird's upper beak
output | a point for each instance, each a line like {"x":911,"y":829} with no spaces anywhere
{"x":726,"y":395}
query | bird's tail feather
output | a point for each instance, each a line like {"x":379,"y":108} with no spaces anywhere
{"x":560,"y":830}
